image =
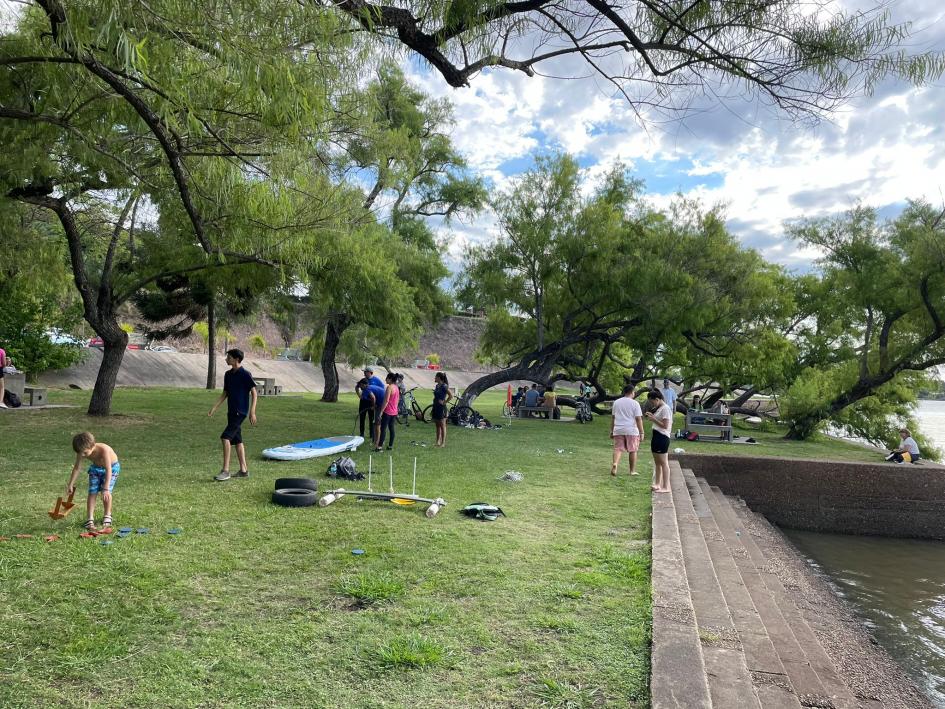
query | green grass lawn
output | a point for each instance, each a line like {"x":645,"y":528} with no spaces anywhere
{"x":261,"y":606}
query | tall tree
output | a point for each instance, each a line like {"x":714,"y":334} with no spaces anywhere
{"x":400,"y":143}
{"x":882,"y":284}
{"x":624,"y":286}
{"x":211,"y":121}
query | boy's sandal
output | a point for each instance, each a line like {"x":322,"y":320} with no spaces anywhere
{"x":107,"y":522}
{"x":241,"y":474}
{"x":90,"y":525}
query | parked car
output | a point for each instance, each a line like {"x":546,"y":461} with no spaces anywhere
{"x":162,"y":348}
{"x":58,"y":337}
{"x":99,"y":343}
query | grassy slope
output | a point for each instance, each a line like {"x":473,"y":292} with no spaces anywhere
{"x":258,"y":605}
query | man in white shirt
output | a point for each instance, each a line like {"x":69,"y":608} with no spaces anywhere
{"x":626,"y":429}
{"x":669,"y":395}
{"x":662,"y":419}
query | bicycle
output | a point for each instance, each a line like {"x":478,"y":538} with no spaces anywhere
{"x":408,"y":406}
{"x":458,"y":414}
{"x":583,"y":412}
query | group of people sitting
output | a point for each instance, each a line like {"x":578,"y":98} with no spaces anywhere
{"x":536,"y":397}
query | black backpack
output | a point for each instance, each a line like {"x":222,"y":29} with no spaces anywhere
{"x":483,"y":511}
{"x":344,"y":467}
{"x":11,"y":399}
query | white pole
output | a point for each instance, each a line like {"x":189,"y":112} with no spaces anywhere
{"x":391,"y":473}
{"x":369,"y":461}
{"x":415,"y":475}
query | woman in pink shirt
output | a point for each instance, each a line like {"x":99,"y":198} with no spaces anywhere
{"x":3,"y":363}
{"x":389,"y":411}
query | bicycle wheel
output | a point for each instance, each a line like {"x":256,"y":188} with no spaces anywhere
{"x":403,"y":418}
{"x":417,"y":411}
{"x":427,"y":415}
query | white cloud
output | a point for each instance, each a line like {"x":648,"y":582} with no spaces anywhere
{"x":880,"y":150}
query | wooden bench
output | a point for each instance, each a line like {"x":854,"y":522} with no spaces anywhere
{"x":36,"y":395}
{"x":524,"y":411}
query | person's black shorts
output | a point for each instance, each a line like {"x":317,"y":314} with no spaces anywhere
{"x":1,"y":372}
{"x":232,"y":432}
{"x":439,"y":412}
{"x":659,"y":442}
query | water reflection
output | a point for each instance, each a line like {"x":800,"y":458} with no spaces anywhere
{"x":897,"y":586}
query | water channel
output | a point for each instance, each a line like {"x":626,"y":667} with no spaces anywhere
{"x":896,"y":586}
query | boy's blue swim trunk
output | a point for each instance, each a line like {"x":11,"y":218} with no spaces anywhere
{"x":97,"y":478}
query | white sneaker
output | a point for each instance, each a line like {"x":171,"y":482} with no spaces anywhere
{"x":3,"y":406}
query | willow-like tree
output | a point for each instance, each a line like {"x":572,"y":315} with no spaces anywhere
{"x":399,"y":143}
{"x":113,"y":111}
{"x":606,"y":281}
{"x":804,"y":57}
{"x":879,"y":298}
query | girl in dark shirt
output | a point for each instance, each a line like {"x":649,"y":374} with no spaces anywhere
{"x":441,"y":395}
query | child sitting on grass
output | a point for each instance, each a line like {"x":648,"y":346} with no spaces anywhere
{"x":103,"y":473}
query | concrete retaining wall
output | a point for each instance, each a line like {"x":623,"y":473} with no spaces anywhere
{"x":883,"y":499}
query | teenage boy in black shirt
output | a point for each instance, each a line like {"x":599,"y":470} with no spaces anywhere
{"x":239,"y":391}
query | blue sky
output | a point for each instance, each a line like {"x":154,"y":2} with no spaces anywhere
{"x":764,"y":169}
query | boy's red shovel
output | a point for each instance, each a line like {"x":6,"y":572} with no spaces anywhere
{"x":63,"y":507}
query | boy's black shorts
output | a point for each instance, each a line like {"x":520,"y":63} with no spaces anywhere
{"x":232,"y":432}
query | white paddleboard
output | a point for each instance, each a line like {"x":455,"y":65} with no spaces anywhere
{"x":314,"y":449}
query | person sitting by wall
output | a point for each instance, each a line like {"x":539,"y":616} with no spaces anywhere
{"x":908,"y":450}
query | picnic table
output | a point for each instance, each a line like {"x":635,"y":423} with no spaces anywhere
{"x":266,"y":386}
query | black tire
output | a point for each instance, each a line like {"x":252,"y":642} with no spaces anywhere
{"x":427,"y":415}
{"x":464,"y":415}
{"x":403,"y":418}
{"x":590,"y":417}
{"x":294,"y":497}
{"x":296,"y":483}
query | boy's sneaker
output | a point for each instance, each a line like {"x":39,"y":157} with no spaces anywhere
{"x":241,"y":474}
{"x":224,"y":475}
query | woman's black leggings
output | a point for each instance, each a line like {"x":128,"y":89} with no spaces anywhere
{"x":387,"y":422}
{"x":366,"y":410}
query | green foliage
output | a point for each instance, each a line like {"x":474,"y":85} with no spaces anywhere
{"x":433,"y":358}
{"x":870,"y":320}
{"x":257,"y":342}
{"x":203,"y":332}
{"x":36,"y":292}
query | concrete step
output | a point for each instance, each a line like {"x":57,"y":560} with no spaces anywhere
{"x":730,"y":683}
{"x":677,"y":668}
{"x":804,"y":654}
{"x":770,"y":680}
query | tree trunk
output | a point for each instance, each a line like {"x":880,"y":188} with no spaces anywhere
{"x":115,"y":340}
{"x":211,"y":345}
{"x":334,"y":329}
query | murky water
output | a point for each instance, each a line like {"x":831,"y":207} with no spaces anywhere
{"x":897,"y":587}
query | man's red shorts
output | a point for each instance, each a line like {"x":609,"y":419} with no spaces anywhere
{"x":630,"y":444}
